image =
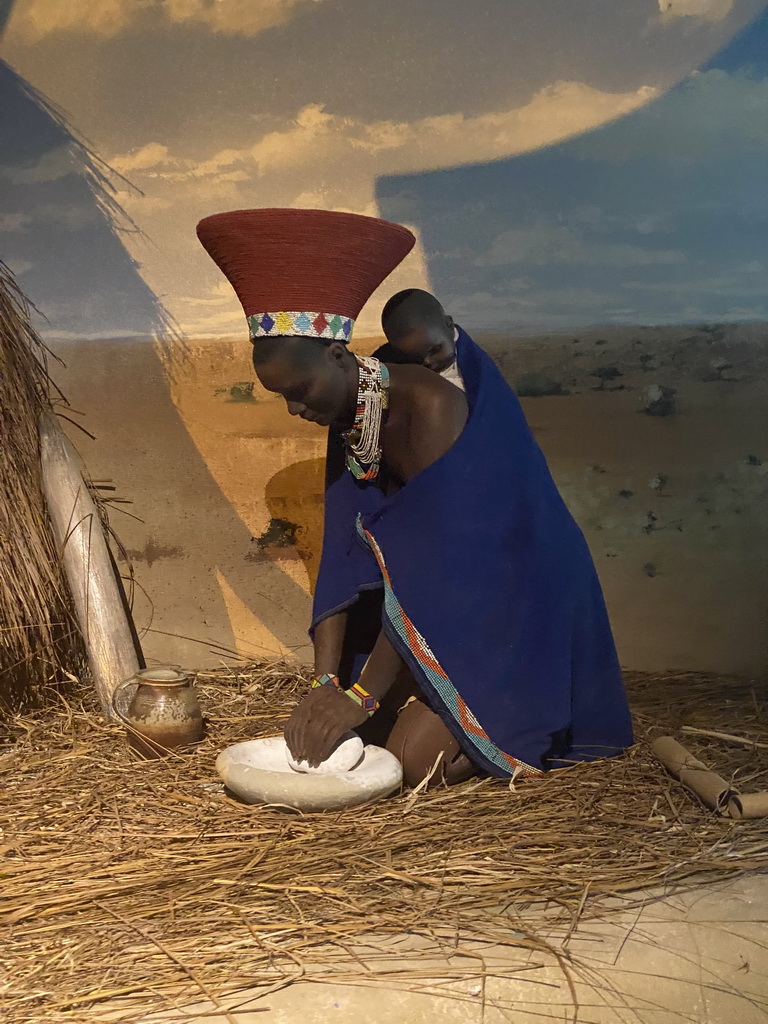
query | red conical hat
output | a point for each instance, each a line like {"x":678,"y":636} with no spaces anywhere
{"x":303,"y":272}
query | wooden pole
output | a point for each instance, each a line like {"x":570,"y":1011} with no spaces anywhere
{"x":96,"y":591}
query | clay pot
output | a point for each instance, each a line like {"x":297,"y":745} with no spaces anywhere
{"x":163,"y":712}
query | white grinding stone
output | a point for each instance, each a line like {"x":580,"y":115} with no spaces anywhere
{"x":343,"y":758}
{"x":258,"y":772}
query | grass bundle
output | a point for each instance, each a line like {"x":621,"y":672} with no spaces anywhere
{"x":137,"y":886}
{"x":39,"y":638}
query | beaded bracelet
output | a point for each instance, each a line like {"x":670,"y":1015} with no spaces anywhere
{"x":355,"y":692}
{"x":326,"y":679}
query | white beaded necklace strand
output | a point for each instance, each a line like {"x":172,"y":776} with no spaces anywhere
{"x":372,"y":401}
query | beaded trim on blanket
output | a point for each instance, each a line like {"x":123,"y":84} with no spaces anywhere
{"x":436,"y":679}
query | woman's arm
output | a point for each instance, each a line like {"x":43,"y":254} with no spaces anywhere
{"x":329,"y":642}
{"x":326,"y":713}
{"x":381,"y":669}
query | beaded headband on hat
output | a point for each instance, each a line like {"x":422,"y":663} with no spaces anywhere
{"x":330,"y":326}
{"x":290,"y":262}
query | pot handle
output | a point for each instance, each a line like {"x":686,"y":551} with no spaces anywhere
{"x":119,"y":689}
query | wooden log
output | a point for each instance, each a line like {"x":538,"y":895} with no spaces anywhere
{"x":748,"y":805}
{"x":97,"y":594}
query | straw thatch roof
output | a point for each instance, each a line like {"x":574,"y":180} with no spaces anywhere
{"x":39,"y":639}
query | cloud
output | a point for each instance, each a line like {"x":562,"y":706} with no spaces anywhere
{"x":554,"y":113}
{"x":12,"y":223}
{"x":323,"y":199}
{"x":706,"y":10}
{"x":57,"y":215}
{"x":147,"y":158}
{"x":70,"y":216}
{"x":33,"y":20}
{"x":596,"y":219}
{"x":220,"y":295}
{"x":547,"y":308}
{"x":56,"y":163}
{"x":543,"y":243}
{"x":331,"y":161}
{"x":18,"y":267}
{"x":328,"y":160}
{"x":708,"y":115}
{"x":732,"y":285}
{"x":323,"y":144}
{"x":234,"y":17}
{"x":141,"y":204}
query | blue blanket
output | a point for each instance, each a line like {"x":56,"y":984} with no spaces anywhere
{"x":490,"y":592}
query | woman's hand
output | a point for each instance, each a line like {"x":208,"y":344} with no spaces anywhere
{"x":318,"y":723}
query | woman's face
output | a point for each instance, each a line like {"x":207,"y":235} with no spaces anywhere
{"x":314,"y":379}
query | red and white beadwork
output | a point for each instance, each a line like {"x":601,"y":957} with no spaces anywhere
{"x":434,"y":676}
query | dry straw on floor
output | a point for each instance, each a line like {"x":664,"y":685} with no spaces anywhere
{"x":134,"y":886}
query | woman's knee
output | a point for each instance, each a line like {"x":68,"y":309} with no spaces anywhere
{"x":440,"y":769}
{"x":427,"y":749}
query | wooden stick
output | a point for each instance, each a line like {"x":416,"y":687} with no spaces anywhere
{"x":727,"y":736}
{"x":112,"y":653}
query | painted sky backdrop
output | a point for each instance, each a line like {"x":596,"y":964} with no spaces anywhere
{"x":659,"y":217}
{"x":464,"y":118}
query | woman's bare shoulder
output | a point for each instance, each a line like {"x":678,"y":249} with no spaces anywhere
{"x":426,"y":394}
{"x":428,"y":415}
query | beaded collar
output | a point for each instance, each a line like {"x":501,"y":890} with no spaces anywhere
{"x":363,"y":439}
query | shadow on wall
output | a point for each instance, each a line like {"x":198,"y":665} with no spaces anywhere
{"x":655,"y":434}
{"x":61,"y":223}
{"x":659,"y":217}
{"x":62,"y":229}
{"x":295,"y":497}
{"x":187,"y":539}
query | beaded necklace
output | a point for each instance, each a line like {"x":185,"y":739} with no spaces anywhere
{"x":363,"y":439}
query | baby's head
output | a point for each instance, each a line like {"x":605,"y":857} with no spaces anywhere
{"x":419,"y":330}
